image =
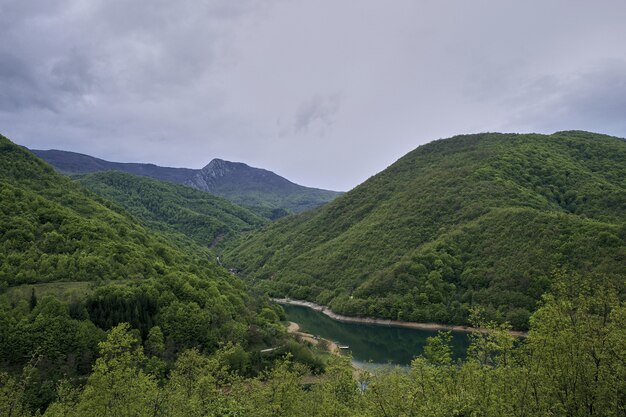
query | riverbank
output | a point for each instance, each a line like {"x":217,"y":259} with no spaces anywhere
{"x":386,"y":322}
{"x":332,"y":347}
{"x":294,"y":328}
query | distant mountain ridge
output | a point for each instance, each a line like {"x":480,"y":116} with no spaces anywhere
{"x":263,"y":191}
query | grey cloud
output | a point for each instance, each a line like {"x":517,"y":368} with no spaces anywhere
{"x":19,"y":86}
{"x":594,"y":99}
{"x":318,"y":112}
{"x":73,"y":74}
{"x":287,"y":84}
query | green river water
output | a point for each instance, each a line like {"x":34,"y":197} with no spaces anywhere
{"x":371,"y":344}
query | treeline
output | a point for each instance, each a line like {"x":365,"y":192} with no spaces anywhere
{"x":55,"y":233}
{"x":573,"y":363}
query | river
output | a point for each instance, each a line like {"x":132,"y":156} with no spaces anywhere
{"x":370,"y":344}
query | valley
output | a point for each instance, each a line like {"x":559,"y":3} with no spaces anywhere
{"x":486,"y":220}
{"x":298,"y":208}
{"x":464,"y":261}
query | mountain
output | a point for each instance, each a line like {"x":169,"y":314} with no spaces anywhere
{"x":263,"y":191}
{"x":257,"y":188}
{"x":76,"y":163}
{"x":53,"y":230}
{"x":482,"y":220}
{"x":174,"y":209}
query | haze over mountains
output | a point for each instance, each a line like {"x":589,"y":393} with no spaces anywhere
{"x":261,"y":190}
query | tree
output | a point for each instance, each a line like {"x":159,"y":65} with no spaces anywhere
{"x":437,"y":350}
{"x":11,"y":397}
{"x":155,"y":344}
{"x":577,"y":350}
{"x":33,"y":299}
{"x":118,"y":385}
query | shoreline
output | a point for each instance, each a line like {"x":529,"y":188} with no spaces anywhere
{"x":387,"y":322}
{"x":294,"y":329}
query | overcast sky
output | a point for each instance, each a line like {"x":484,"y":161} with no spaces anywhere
{"x":323,"y":92}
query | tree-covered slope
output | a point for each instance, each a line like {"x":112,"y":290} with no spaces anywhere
{"x":174,"y":209}
{"x":263,"y":191}
{"x":51,"y":229}
{"x":473,"y":220}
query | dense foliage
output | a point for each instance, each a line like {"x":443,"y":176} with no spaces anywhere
{"x":476,"y":220}
{"x":174,"y":209}
{"x":58,"y":339}
{"x":573,"y":364}
{"x":100,"y":316}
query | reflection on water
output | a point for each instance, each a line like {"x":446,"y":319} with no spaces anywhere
{"x":379,"y":345}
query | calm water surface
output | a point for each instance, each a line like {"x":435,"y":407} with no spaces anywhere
{"x":379,"y":345}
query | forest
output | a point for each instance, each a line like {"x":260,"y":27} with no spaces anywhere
{"x":73,"y":266}
{"x":572,"y":363}
{"x":179,"y":211}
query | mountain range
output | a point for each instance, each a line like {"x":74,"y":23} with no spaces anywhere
{"x":263,"y":191}
{"x":53,"y":229}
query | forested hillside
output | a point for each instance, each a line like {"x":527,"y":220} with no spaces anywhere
{"x":54,"y":231}
{"x":174,"y":209}
{"x":96,"y":268}
{"x":100,"y":316}
{"x":477,"y":220}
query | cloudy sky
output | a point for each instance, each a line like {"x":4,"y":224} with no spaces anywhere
{"x":324,"y":92}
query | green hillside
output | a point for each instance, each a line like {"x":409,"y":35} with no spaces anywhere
{"x":53,"y":230}
{"x":481,"y":220}
{"x":174,"y":209}
{"x":72,"y":267}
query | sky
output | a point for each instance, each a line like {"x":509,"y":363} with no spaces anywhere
{"x":324,"y":92}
